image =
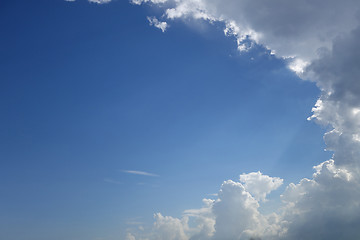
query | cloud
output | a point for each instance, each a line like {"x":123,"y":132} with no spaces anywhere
{"x":108,"y":180}
{"x":233,"y":215}
{"x":313,"y":209}
{"x":141,"y":173}
{"x":325,"y":207}
{"x":236,"y":205}
{"x":153,"y":21}
{"x":100,"y":1}
{"x":290,"y":28}
{"x":139,"y":2}
{"x":93,"y":1}
{"x":320,"y":42}
{"x":260,"y":185}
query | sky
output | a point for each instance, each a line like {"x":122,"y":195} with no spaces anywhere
{"x":179,"y":120}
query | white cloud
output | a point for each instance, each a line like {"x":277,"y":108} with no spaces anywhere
{"x":290,"y":28}
{"x":141,"y":173}
{"x":169,"y":228}
{"x":234,"y":215}
{"x":320,"y":41}
{"x":260,"y":185}
{"x":153,"y":21}
{"x":93,"y":1}
{"x":100,"y":1}
{"x":325,"y":207}
{"x":138,"y":2}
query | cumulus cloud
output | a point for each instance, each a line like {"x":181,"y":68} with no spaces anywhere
{"x":290,"y":28}
{"x":260,"y":185}
{"x":233,"y":215}
{"x":325,"y":207}
{"x":237,"y":213}
{"x":320,"y":41}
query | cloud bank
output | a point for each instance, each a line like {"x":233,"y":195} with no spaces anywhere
{"x":320,"y":40}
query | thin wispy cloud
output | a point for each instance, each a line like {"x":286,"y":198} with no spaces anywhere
{"x":134,"y":223}
{"x":108,"y":180}
{"x":135,"y":172}
{"x":212,"y":194}
{"x":93,"y":1}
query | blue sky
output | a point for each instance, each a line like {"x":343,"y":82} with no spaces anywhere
{"x":90,"y":91}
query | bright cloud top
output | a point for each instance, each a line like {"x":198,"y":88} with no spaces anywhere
{"x":259,"y":185}
{"x":235,"y":214}
{"x":320,"y":39}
